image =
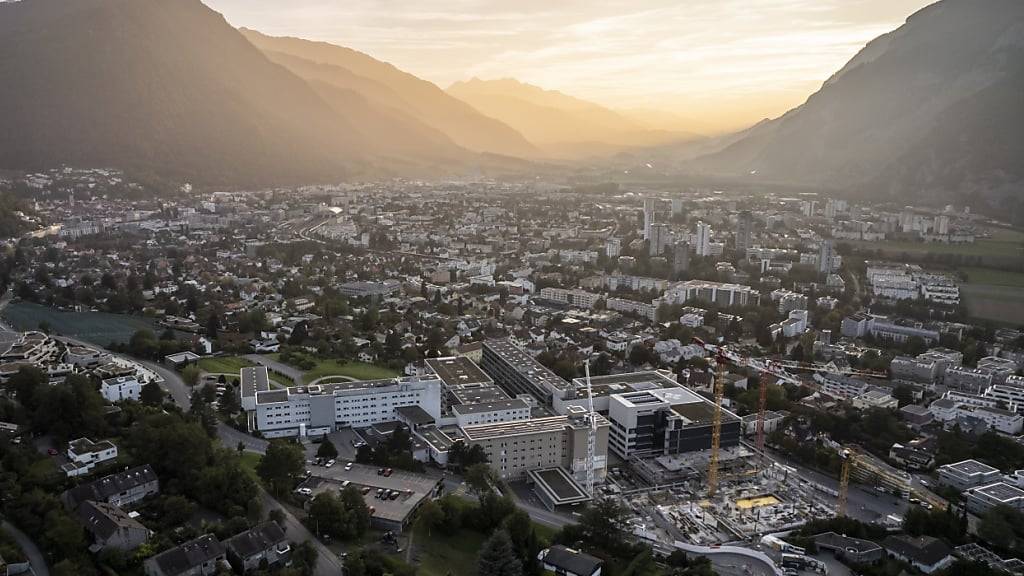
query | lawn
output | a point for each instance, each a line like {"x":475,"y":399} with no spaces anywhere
{"x":999,"y":304}
{"x":442,"y":554}
{"x":234,"y":364}
{"x":250,"y":460}
{"x":993,"y":277}
{"x":357,"y":370}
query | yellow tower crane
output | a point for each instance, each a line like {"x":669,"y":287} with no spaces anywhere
{"x":716,"y":425}
{"x":844,"y":481}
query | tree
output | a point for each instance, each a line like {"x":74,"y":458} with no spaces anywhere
{"x":229,"y":403}
{"x":281,"y":465}
{"x":345,"y":516}
{"x":498,"y":557}
{"x":480,"y":478}
{"x":430,"y":516}
{"x":602,"y":523}
{"x":304,"y":557}
{"x":191,"y":375}
{"x":327,"y":450}
{"x":152,"y":394}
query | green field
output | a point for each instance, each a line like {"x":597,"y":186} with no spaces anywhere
{"x":98,"y":328}
{"x":999,"y":304}
{"x":250,"y":460}
{"x":357,"y":370}
{"x":233,"y":364}
{"x":992,"y":277}
{"x":442,"y":554}
{"x":1002,"y":247}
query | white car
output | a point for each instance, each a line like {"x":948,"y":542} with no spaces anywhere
{"x":348,"y":467}
{"x":329,"y":464}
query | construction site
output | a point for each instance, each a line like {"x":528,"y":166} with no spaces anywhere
{"x":732,"y":492}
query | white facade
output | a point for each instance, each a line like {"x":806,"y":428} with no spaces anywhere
{"x":703,"y":240}
{"x":491,"y":412}
{"x":303,"y":410}
{"x":121,"y":388}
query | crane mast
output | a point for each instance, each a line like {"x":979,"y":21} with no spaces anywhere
{"x":591,"y":434}
{"x":762,"y":408}
{"x":716,"y":426}
{"x":844,"y":482}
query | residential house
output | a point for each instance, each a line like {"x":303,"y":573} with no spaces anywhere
{"x":111,"y":527}
{"x":121,"y":388}
{"x":84,"y":455}
{"x":248,"y":550}
{"x":568,"y":562}
{"x":926,"y":553}
{"x":122,"y":489}
{"x":200,"y":557}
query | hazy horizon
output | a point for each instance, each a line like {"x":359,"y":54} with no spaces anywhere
{"x":724,"y":63}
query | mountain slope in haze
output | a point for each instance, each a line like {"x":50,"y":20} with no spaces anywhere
{"x":383,"y":83}
{"x":158,"y":87}
{"x":558,"y":123}
{"x":933,"y":110}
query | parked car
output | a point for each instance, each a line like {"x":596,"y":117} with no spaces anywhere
{"x":348,"y":466}
{"x":329,"y":463}
{"x":388,"y":472}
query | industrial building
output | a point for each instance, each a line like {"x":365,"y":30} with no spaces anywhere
{"x":967,"y":474}
{"x":713,"y":292}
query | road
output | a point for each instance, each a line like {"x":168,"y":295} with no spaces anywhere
{"x":35,"y":556}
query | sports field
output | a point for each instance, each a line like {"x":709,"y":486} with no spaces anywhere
{"x":99,"y":328}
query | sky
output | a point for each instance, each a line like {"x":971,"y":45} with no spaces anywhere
{"x":721,"y":63}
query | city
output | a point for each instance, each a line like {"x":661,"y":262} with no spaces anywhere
{"x":496,"y":288}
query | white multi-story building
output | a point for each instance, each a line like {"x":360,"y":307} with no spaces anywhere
{"x":702,"y":243}
{"x":914,"y":369}
{"x":972,"y":380}
{"x":84,"y":455}
{"x":841,"y":386}
{"x":577,"y":298}
{"x":121,"y":388}
{"x":713,"y":292}
{"x":633,"y":307}
{"x":317,"y":410}
{"x":999,"y":368}
{"x":491,"y":412}
{"x":613,"y":247}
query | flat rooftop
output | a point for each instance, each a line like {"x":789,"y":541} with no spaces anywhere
{"x":558,"y":485}
{"x":254,"y":379}
{"x":526,"y":366}
{"x":457,"y":371}
{"x":435,"y":437}
{"x":476,"y":393}
{"x":621,"y":383}
{"x":701,"y":413}
{"x":482,"y":407}
{"x":1000,"y":492}
{"x":273,"y":396}
{"x":970,"y":468}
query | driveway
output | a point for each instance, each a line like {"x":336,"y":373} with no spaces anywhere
{"x":329,"y":564}
{"x":290,"y":371}
{"x":35,"y":556}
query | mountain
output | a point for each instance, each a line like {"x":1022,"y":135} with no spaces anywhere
{"x":167,"y":90}
{"x":931,"y":111}
{"x":560,"y":124}
{"x":158,"y":87}
{"x":385,"y":84}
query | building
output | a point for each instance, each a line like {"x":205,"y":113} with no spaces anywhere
{"x":111,"y":527}
{"x":517,"y":372}
{"x":999,"y":368}
{"x":660,"y":238}
{"x":828,"y":261}
{"x":875,"y":398}
{"x":642,"y":309}
{"x":981,"y":498}
{"x":84,"y":357}
{"x":681,"y":257}
{"x":854,"y":550}
{"x":911,"y":369}
{"x":30,"y":348}
{"x":321,"y":409}
{"x":967,"y":474}
{"x":121,"y":388}
{"x":568,"y":562}
{"x":841,"y":386}
{"x":516,"y":448}
{"x":267,"y":542}
{"x":122,"y":489}
{"x":649,"y":206}
{"x":926,"y":553}
{"x":203,"y":556}
{"x":702,"y":242}
{"x":744,"y":230}
{"x":613,"y":247}
{"x":712,"y":292}
{"x":84,"y":455}
{"x":253,"y":379}
{"x":509,"y":410}
{"x":972,"y":380}
{"x":373,"y":290}
{"x":576,"y":298}
{"x":916,"y":415}
{"x":665,"y":421}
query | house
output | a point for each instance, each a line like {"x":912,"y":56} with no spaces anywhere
{"x":84,"y":455}
{"x":181,"y":359}
{"x":569,"y":562}
{"x":121,"y":489}
{"x":200,"y":557}
{"x":248,"y":550}
{"x":121,"y":388}
{"x":264,"y":346}
{"x":911,"y":457}
{"x":111,"y":527}
{"x":926,"y":553}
